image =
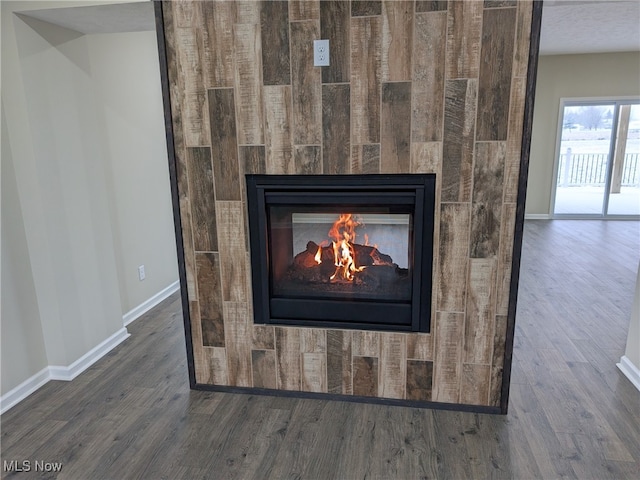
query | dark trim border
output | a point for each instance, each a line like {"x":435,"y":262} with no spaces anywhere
{"x":173,"y":177}
{"x":458,"y":407}
{"x":532,"y":72}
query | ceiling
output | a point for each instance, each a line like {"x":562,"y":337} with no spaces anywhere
{"x":568,"y":26}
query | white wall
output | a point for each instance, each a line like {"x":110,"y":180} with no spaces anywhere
{"x":564,"y":76}
{"x":74,"y":156}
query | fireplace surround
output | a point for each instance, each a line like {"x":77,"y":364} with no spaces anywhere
{"x":320,"y":250}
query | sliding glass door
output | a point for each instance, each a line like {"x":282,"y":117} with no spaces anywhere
{"x":597,"y":165}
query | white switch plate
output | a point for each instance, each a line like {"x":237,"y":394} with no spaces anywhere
{"x":321,"y":53}
{"x":141,"y":274}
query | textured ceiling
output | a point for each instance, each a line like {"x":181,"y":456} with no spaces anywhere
{"x":568,"y":26}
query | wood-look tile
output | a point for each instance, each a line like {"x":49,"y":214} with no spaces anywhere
{"x":393,"y":358}
{"x":365,"y":159}
{"x":447,"y":362}
{"x":201,"y":364}
{"x":274,"y":29}
{"x":215,"y":43}
{"x":365,"y":376}
{"x":277,"y":105}
{"x":224,"y":146}
{"x":480,"y":315}
{"x":188,"y":63}
{"x":237,"y":331}
{"x":366,"y":37}
{"x":334,"y":26}
{"x":304,"y":10}
{"x":397,"y":40}
{"x":336,"y":131}
{"x":314,"y":372}
{"x":494,"y":83}
{"x":202,"y":201}
{"x":185,"y":14}
{"x":523,"y":38}
{"x":313,"y":340}
{"x":306,"y":85}
{"x":307,"y":159}
{"x":217,"y":366}
{"x":474,"y":388}
{"x":459,"y":131}
{"x":464,"y":33}
{"x":248,"y":12}
{"x":263,"y":337}
{"x":366,"y":343}
{"x":505,"y":258}
{"x":420,"y":347}
{"x":364,"y":8}
{"x":426,"y":157}
{"x":514,"y":140}
{"x":488,"y":174}
{"x":263,"y":363}
{"x":339,"y":373}
{"x":396,"y":128}
{"x":195,"y":118}
{"x":500,"y":3}
{"x":231,"y":240}
{"x":252,"y":159}
{"x":248,"y":82}
{"x":186,"y":224}
{"x":419,"y":380}
{"x":210,"y":299}
{"x":427,"y":88}
{"x":453,"y":253}
{"x":497,"y":362}
{"x":424,"y":6}
{"x":288,"y":358}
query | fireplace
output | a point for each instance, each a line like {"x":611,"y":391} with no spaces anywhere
{"x":342,"y":251}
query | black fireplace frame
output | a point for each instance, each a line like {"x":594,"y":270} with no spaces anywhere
{"x":416,"y":191}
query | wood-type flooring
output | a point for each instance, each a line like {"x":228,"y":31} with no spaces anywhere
{"x":572,"y":413}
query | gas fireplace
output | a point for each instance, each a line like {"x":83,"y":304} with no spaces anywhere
{"x":342,"y":251}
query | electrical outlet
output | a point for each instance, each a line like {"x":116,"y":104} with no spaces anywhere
{"x":141,"y":274}
{"x":321,"y":53}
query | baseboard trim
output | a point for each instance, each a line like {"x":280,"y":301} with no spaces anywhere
{"x":147,"y":305}
{"x":537,"y":216}
{"x":630,"y":371}
{"x":56,"y":372}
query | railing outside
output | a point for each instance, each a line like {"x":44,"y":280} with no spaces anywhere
{"x":590,"y":169}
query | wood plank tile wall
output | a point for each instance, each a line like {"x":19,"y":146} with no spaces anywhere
{"x":413,"y":87}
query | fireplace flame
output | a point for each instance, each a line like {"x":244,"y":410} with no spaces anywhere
{"x":343,"y":232}
{"x":318,"y":257}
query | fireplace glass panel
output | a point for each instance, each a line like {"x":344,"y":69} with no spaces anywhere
{"x":358,"y":253}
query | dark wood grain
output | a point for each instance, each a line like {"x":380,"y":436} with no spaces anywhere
{"x":497,"y":362}
{"x":263,"y":337}
{"x":210,"y":299}
{"x":203,"y":212}
{"x":396,"y":128}
{"x":459,"y":131}
{"x":365,"y":376}
{"x":494,"y":84}
{"x":304,"y":10}
{"x":365,"y":159}
{"x":419,"y":380}
{"x":500,"y":3}
{"x":453,"y":250}
{"x":307,"y":159}
{"x":423,"y":6}
{"x":215,"y":43}
{"x":366,"y":37}
{"x":264,"y":368}
{"x":274,"y":28}
{"x":505,"y":253}
{"x":488,"y":184}
{"x":339,"y":373}
{"x":334,"y":26}
{"x":427,"y":88}
{"x":224,"y":146}
{"x":252,"y":160}
{"x":288,"y":358}
{"x":364,"y":8}
{"x":306,"y":84}
{"x":464,"y":33}
{"x":397,"y":40}
{"x":336,"y":112}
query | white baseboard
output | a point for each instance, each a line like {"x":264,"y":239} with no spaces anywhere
{"x":630,"y":371}
{"x":537,"y":216}
{"x":147,"y":305}
{"x":22,"y":391}
{"x":56,"y":372}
